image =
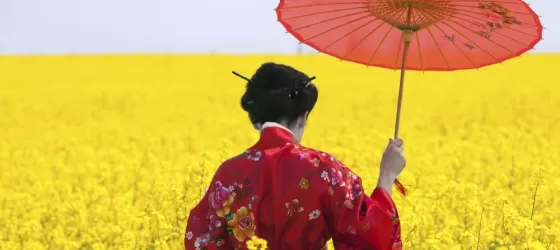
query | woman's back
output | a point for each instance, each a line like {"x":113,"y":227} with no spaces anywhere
{"x":289,"y":195}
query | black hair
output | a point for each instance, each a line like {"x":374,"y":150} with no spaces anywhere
{"x":277,"y":92}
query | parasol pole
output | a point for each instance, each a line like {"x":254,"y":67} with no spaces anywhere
{"x":406,"y":37}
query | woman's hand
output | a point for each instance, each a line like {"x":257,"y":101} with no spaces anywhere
{"x":392,"y":164}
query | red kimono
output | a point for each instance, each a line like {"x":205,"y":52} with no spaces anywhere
{"x":294,"y":198}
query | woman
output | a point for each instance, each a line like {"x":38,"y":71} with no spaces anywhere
{"x":289,"y":195}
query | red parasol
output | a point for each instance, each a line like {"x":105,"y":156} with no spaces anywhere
{"x":427,"y":35}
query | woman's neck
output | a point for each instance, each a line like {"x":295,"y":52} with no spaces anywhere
{"x":296,"y":132}
{"x":278,"y":125}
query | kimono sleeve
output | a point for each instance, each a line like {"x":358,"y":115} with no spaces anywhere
{"x":206,"y":226}
{"x":355,"y":220}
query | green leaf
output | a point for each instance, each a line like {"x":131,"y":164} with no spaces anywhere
{"x":229,"y":216}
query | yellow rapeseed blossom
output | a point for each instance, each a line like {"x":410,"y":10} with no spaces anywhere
{"x":112,"y":152}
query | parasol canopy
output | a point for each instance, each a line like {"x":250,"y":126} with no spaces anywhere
{"x":444,"y":35}
{"x":427,"y":35}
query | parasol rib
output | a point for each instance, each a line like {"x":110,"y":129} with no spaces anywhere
{"x":476,"y":7}
{"x":474,"y":43}
{"x":324,"y":12}
{"x":492,"y":41}
{"x":322,"y":4}
{"x":379,"y":45}
{"x":324,"y":21}
{"x":392,"y":12}
{"x":333,"y":28}
{"x":507,"y":26}
{"x":361,"y":41}
{"x":454,"y":44}
{"x":496,"y":32}
{"x":466,"y":37}
{"x":419,"y":50}
{"x":423,"y":18}
{"x":439,"y":48}
{"x":398,"y":53}
{"x":478,"y":13}
{"x":457,"y":46}
{"x":386,"y":11}
{"x":354,"y":30}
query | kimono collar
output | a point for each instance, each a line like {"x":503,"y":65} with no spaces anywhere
{"x":274,"y":135}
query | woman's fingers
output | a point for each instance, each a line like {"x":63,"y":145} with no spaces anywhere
{"x":396,"y":143}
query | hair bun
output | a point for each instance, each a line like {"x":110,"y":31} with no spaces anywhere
{"x":277,"y":91}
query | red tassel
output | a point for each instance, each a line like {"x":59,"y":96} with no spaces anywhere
{"x":400,"y":187}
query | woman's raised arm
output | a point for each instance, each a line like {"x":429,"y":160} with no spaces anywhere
{"x":357,"y":220}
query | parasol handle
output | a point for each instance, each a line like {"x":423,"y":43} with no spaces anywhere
{"x":407,"y":36}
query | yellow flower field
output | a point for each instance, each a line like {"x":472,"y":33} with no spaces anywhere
{"x":111,"y":152}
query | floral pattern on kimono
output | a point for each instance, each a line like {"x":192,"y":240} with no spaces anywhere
{"x":224,"y":222}
{"x":283,"y":192}
{"x":360,"y":221}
